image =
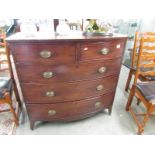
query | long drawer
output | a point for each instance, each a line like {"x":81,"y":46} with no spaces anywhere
{"x":60,"y":92}
{"x":69,"y":110}
{"x":62,"y":73}
{"x":101,"y":50}
{"x":44,"y":53}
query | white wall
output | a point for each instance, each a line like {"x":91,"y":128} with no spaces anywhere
{"x":147,"y":25}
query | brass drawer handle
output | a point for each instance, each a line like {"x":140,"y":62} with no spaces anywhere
{"x":51,"y":112}
{"x":47,"y":75}
{"x":99,"y":87}
{"x":102,"y":69}
{"x":104,"y":51}
{"x":50,"y":93}
{"x":45,"y":54}
{"x":97,"y":104}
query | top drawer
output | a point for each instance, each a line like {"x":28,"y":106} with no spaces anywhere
{"x":101,"y":50}
{"x":44,"y":53}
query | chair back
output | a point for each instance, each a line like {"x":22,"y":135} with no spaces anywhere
{"x":137,"y":40}
{"x":146,"y":57}
{"x":4,"y":62}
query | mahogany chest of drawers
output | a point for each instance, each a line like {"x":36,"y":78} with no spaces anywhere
{"x":67,"y":78}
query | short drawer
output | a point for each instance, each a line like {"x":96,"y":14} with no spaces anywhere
{"x":101,"y":50}
{"x":60,"y":92}
{"x":44,"y":53}
{"x":69,"y":110}
{"x":65,"y":72}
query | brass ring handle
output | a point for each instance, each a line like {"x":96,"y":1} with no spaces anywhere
{"x":99,"y":87}
{"x":104,"y":51}
{"x":47,"y":75}
{"x":51,"y":112}
{"x":50,"y":93}
{"x":102,"y":69}
{"x":97,"y":104}
{"x":45,"y":54}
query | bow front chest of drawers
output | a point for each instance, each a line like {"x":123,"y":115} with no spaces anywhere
{"x":67,"y":78}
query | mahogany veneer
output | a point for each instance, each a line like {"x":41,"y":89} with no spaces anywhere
{"x":67,"y":78}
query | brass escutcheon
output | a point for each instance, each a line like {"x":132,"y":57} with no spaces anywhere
{"x":99,"y":87}
{"x":97,"y":104}
{"x":51,"y":112}
{"x":47,"y":75}
{"x":102,"y":70}
{"x":45,"y":54}
{"x":104,"y":51}
{"x":50,"y":93}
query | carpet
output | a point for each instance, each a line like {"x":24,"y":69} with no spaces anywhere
{"x":7,"y":125}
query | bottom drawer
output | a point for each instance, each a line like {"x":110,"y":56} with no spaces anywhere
{"x":69,"y":110}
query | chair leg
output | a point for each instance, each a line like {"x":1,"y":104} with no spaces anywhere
{"x":132,"y":93}
{"x":129,"y":80}
{"x":19,"y":102}
{"x":138,"y":101}
{"x":13,"y":112}
{"x":141,"y":128}
{"x":17,"y":94}
{"x":145,"y":119}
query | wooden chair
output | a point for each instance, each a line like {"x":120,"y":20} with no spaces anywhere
{"x":134,"y":56}
{"x":7,"y":84}
{"x":145,"y":91}
{"x":3,"y":54}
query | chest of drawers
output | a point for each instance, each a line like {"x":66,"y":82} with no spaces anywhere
{"x":67,"y":78}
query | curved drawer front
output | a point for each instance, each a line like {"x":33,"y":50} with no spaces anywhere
{"x":101,"y":50}
{"x":63,"y":73}
{"x":60,"y":92}
{"x":68,"y":110}
{"x":44,"y":53}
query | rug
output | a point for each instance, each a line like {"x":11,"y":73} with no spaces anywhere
{"x":7,"y":124}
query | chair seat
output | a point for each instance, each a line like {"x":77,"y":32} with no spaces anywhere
{"x":148,"y":91}
{"x":5,"y":86}
{"x":127,"y":63}
{"x":150,"y":78}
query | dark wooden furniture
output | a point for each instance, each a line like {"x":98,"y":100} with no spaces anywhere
{"x":67,"y":78}
{"x":145,"y":91}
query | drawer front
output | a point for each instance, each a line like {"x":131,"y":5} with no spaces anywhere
{"x":63,"y":73}
{"x":44,"y":53}
{"x":60,"y":92}
{"x":101,"y":50}
{"x":69,"y":110}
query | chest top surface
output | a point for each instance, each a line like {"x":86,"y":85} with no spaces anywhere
{"x":73,"y":36}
